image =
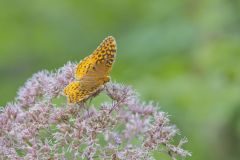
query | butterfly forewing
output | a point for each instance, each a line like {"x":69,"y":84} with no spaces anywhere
{"x":99,"y":63}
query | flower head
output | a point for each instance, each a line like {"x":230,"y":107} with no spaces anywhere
{"x":34,"y":126}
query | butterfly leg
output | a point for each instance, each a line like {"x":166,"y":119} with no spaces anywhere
{"x":86,"y":108}
{"x":106,"y":79}
{"x":90,"y":100}
{"x":89,"y":103}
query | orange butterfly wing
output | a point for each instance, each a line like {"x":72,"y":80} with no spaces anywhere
{"x":99,"y":62}
{"x":92,"y":72}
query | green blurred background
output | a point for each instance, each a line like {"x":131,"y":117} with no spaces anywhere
{"x":184,"y":54}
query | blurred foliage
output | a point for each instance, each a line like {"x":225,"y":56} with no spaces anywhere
{"x":183,"y":54}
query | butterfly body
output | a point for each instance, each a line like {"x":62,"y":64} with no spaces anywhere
{"x":92,"y":72}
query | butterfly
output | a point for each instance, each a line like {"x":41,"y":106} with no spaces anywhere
{"x":92,"y":72}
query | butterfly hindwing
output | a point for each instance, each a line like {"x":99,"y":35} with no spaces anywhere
{"x":76,"y":92}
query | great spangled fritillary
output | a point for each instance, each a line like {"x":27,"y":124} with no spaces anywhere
{"x":92,"y":72}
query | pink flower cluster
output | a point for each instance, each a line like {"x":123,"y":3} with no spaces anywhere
{"x":36,"y":127}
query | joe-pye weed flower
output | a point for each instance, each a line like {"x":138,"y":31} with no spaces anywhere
{"x":34,"y":126}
